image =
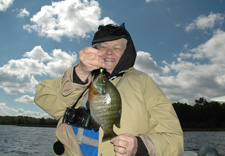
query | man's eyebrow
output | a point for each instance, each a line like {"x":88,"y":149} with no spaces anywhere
{"x":116,"y":44}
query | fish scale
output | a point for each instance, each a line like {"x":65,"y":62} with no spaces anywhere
{"x":105,"y":105}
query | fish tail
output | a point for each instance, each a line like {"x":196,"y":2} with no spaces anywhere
{"x":108,"y":136}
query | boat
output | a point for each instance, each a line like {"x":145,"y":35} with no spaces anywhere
{"x":189,"y":153}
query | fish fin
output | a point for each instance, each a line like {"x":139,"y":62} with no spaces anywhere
{"x":108,"y":136}
{"x":95,"y":124}
{"x":117,"y":122}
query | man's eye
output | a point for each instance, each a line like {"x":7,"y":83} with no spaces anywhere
{"x":103,"y":47}
{"x":117,"y":49}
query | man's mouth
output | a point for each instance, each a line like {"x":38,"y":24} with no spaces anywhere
{"x":109,"y":60}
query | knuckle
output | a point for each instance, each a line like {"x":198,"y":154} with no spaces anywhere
{"x":120,"y":143}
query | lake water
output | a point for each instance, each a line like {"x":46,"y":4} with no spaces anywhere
{"x":38,"y":141}
{"x":194,"y":140}
{"x":26,"y":141}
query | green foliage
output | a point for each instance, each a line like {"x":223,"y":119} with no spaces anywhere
{"x":204,"y":114}
{"x":27,"y":121}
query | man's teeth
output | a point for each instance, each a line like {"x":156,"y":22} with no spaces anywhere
{"x":109,"y":60}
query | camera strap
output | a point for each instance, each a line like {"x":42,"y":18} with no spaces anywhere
{"x":81,"y":138}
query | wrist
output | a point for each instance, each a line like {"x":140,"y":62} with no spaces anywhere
{"x":81,"y":74}
{"x":141,"y":149}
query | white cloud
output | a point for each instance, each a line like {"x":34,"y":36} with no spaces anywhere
{"x":37,"y":53}
{"x":213,"y":49}
{"x":70,"y":18}
{"x":23,"y":12}
{"x":145,"y":63}
{"x":18,"y":76}
{"x":199,"y":72}
{"x":148,"y":1}
{"x":14,"y":79}
{"x":203,"y":22}
{"x":25,"y":99}
{"x":177,"y":25}
{"x":61,"y":62}
{"x":10,"y":111}
{"x":5,"y":4}
{"x":105,"y":21}
{"x":55,"y":64}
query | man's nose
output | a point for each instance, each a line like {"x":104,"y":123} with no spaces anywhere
{"x":109,"y":51}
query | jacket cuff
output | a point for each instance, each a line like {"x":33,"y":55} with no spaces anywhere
{"x":141,"y":150}
{"x":76,"y":79}
{"x":148,"y":144}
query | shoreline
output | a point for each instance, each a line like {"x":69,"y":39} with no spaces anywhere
{"x":27,"y":125}
{"x":203,"y":129}
{"x":184,"y":129}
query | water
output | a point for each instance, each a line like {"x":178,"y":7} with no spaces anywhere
{"x":38,"y":141}
{"x":194,"y":140}
{"x":26,"y":141}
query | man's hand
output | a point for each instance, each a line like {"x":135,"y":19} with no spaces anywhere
{"x":90,"y":59}
{"x":125,"y":145}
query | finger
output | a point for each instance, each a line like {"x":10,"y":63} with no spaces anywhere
{"x":91,"y":67}
{"x":97,"y":58}
{"x":119,"y":137}
{"x":120,"y":143}
{"x":90,"y":53}
{"x":91,"y":50}
{"x":120,"y":150}
{"x":94,"y":63}
{"x":89,"y":56}
{"x":118,"y":154}
{"x":127,"y":134}
{"x":92,"y":60}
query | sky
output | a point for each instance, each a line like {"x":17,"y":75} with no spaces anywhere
{"x":179,"y":43}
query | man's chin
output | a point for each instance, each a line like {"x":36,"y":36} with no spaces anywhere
{"x":109,"y":70}
{"x":109,"y":66}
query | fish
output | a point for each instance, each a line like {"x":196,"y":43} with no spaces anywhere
{"x":105,"y":105}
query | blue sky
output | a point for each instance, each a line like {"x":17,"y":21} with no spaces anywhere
{"x":180,"y":43}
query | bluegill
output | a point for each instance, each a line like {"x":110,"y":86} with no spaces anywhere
{"x":105,"y":105}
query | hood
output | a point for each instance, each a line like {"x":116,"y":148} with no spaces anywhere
{"x":113,"y":32}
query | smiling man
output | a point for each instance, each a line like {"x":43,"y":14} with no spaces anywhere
{"x":148,"y":124}
{"x":107,"y":55}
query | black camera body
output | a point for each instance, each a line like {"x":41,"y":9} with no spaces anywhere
{"x":78,"y":117}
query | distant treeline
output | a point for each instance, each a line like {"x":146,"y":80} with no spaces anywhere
{"x":203,"y":115}
{"x":27,"y":121}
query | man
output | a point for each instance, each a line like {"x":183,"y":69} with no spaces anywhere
{"x":148,"y":125}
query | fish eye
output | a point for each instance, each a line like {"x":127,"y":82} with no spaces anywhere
{"x":103,"y":92}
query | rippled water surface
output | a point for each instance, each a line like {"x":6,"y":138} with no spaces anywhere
{"x":194,"y":140}
{"x":24,"y":141}
{"x":38,"y":141}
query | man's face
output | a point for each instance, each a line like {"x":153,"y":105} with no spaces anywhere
{"x":112,"y":52}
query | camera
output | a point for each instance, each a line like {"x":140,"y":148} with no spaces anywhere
{"x":78,"y":117}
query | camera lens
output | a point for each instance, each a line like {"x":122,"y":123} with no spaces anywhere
{"x":70,"y":115}
{"x":77,"y":117}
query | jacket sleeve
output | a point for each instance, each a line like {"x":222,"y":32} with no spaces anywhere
{"x":55,"y":95}
{"x":165,"y":136}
